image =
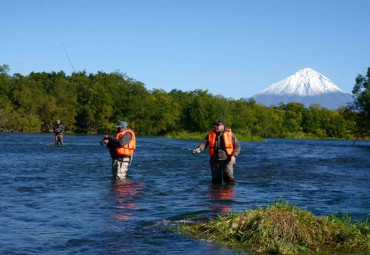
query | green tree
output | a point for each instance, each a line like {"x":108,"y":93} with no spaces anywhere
{"x":202,"y":110}
{"x":66,"y":106}
{"x":164,"y":113}
{"x":137,"y":108}
{"x":313,"y":119}
{"x":294,"y":113}
{"x":85,"y":122}
{"x":6,"y":107}
{"x":334,"y":124}
{"x":28,"y":98}
{"x":242,"y":116}
{"x":361,"y":104}
{"x":4,"y":80}
{"x":269,"y":122}
{"x":6,"y":113}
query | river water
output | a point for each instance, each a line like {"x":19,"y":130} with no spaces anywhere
{"x":61,"y":199}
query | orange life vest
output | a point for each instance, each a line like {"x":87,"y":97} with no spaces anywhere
{"x":228,"y":141}
{"x":127,"y":149}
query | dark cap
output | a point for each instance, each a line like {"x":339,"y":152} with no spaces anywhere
{"x":219,"y":122}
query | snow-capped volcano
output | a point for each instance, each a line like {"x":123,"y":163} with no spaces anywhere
{"x":307,"y":87}
{"x":306,"y":82}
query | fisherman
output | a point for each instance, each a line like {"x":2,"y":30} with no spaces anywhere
{"x":121,"y":148}
{"x":224,"y":147}
{"x":58,"y":131}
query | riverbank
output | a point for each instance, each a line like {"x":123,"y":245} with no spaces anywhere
{"x":184,"y":135}
{"x":250,"y":138}
{"x":284,"y":229}
{"x":200,"y":136}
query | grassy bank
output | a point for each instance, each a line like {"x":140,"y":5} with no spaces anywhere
{"x":200,"y":136}
{"x":284,"y":229}
{"x":249,"y":138}
{"x":309,"y":136}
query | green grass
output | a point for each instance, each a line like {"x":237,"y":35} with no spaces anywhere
{"x":309,"y":136}
{"x":281,"y":228}
{"x":186,"y":135}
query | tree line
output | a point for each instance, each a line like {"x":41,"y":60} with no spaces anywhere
{"x":94,"y":103}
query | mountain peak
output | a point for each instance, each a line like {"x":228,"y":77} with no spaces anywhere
{"x":307,"y":87}
{"x":307,"y":71}
{"x":306,"y":82}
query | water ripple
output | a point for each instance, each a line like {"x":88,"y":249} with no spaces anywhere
{"x":61,"y":200}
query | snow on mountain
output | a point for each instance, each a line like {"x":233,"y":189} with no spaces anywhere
{"x":307,"y":87}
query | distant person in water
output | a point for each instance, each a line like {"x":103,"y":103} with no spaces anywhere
{"x":58,"y":131}
{"x":121,"y":148}
{"x":223,"y":148}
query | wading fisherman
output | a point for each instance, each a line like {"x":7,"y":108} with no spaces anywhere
{"x":223,"y":148}
{"x":58,"y":129}
{"x":121,"y":148}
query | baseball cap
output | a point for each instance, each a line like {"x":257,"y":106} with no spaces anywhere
{"x":219,"y":122}
{"x":121,"y":124}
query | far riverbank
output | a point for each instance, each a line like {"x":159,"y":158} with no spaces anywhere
{"x":184,"y":135}
{"x":249,"y":138}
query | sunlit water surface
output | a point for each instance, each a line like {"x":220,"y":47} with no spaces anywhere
{"x":61,"y":200}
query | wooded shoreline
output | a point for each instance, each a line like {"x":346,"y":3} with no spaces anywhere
{"x":94,"y":103}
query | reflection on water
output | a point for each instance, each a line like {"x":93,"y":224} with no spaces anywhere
{"x":123,"y":193}
{"x":221,"y":198}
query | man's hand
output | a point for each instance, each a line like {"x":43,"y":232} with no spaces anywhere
{"x":197,"y":150}
{"x":232,"y":160}
{"x":106,"y":139}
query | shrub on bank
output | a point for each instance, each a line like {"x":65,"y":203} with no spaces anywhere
{"x":284,"y":229}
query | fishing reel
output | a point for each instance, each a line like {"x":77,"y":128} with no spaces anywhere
{"x":102,"y":143}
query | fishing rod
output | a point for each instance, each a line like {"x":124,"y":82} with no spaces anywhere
{"x":175,"y":147}
{"x":178,"y":147}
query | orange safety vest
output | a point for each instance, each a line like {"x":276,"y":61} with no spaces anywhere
{"x":228,"y":141}
{"x":127,"y":149}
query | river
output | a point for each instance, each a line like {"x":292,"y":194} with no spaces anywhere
{"x":62,"y":200}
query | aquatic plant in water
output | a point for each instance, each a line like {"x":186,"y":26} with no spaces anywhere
{"x":282,"y":228}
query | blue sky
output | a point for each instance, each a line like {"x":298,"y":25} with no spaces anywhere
{"x":232,"y":48}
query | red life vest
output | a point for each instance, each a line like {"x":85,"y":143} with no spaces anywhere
{"x":127,"y":149}
{"x":228,"y":141}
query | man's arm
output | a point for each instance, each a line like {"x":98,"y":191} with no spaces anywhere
{"x":202,"y":146}
{"x":125,"y":139}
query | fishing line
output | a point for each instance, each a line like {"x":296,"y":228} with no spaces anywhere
{"x":176,"y":147}
{"x":68,"y":57}
{"x":172,"y":146}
